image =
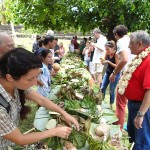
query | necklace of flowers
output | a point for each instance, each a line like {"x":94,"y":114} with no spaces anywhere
{"x":124,"y":81}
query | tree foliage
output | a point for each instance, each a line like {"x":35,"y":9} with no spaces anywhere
{"x":81,"y":15}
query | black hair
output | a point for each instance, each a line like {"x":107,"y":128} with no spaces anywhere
{"x":120,"y":30}
{"x":44,"y":53}
{"x":56,"y":39}
{"x":90,"y":38}
{"x":40,"y":43}
{"x":47,"y":39}
{"x":18,"y":62}
{"x":38,"y":37}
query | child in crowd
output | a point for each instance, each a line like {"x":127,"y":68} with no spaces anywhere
{"x":44,"y":78}
{"x":71,"y":46}
{"x":85,"y":53}
{"x":61,"y":50}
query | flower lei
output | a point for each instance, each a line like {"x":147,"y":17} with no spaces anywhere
{"x":124,"y":81}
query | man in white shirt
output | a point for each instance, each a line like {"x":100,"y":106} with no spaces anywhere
{"x":98,"y":53}
{"x":125,"y":57}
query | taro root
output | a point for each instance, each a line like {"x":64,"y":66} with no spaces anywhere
{"x":102,"y":129}
{"x":69,"y":146}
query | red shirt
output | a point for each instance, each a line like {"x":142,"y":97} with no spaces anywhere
{"x":139,"y":82}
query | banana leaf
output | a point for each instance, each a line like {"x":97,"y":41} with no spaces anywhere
{"x":115,"y":129}
{"x":72,"y":104}
{"x":78,"y":139}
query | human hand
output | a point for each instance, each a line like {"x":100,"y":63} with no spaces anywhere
{"x":105,"y":61}
{"x":57,"y":51}
{"x":71,"y":120}
{"x":92,"y":43}
{"x":138,"y":122}
{"x":54,"y":73}
{"x":62,"y":131}
{"x":112,"y":77}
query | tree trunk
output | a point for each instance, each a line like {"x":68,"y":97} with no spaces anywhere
{"x":110,"y":35}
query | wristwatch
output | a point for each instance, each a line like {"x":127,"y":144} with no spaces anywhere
{"x":114,"y":72}
{"x":139,"y":114}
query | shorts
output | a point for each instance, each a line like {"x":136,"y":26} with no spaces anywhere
{"x":87,"y":62}
{"x":91,"y":68}
{"x":96,"y":68}
{"x":99,"y":68}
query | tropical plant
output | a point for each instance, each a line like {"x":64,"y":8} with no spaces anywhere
{"x":81,"y":15}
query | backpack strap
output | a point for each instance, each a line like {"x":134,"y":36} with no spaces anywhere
{"x":4,"y":103}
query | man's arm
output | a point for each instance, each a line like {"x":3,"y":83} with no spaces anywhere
{"x":143,"y":109}
{"x":122,"y":62}
{"x":97,"y":46}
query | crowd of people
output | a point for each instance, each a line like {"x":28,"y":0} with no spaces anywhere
{"x":127,"y":62}
{"x":120,"y":59}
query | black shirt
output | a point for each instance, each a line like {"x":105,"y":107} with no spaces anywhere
{"x":110,"y":69}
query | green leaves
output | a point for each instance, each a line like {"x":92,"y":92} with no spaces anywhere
{"x":80,"y":15}
{"x":78,"y":139}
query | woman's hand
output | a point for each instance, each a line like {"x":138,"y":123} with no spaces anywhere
{"x":62,"y":132}
{"x":71,"y":120}
{"x":105,"y":62}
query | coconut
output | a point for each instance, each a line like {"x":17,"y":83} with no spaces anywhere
{"x":56,"y":67}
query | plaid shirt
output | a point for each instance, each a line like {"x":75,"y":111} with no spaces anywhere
{"x":9,"y":122}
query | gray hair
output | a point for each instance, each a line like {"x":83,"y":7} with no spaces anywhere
{"x":3,"y":35}
{"x":96,"y":30}
{"x":141,"y":36}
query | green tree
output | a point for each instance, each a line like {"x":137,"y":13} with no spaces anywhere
{"x":2,"y":13}
{"x":81,"y":15}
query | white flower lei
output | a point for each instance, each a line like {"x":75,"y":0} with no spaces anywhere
{"x":123,"y":83}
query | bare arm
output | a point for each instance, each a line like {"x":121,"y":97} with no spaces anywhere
{"x":146,"y":102}
{"x":96,"y":46}
{"x":122,"y":62}
{"x":144,"y":107}
{"x":47,"y":103}
{"x":112,"y":64}
{"x":109,"y":62}
{"x":23,"y":139}
{"x":40,"y":83}
{"x":83,"y":53}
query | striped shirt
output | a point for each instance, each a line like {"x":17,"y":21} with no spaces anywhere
{"x":9,"y":122}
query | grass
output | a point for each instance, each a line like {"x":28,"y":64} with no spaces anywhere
{"x":28,"y":42}
{"x":27,"y":124}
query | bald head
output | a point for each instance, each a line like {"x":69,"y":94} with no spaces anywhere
{"x":6,"y":43}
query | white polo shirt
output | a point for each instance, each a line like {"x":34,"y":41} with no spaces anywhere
{"x":101,"y":45}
